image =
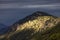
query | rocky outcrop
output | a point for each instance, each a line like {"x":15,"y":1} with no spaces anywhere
{"x":33,"y":27}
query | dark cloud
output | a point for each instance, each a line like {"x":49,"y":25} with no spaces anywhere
{"x":29,"y":1}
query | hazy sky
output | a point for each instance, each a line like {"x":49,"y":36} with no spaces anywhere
{"x":13,"y":10}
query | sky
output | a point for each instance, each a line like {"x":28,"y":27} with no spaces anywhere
{"x":13,"y":10}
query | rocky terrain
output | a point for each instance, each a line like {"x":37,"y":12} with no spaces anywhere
{"x":37,"y":26}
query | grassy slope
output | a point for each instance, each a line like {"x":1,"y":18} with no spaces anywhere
{"x":50,"y":34}
{"x":29,"y":31}
{"x":37,"y":29}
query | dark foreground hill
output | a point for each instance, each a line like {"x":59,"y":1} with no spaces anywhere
{"x":37,"y":26}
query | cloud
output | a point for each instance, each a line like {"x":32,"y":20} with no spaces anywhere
{"x":17,"y":5}
{"x":39,"y":6}
{"x":30,"y":1}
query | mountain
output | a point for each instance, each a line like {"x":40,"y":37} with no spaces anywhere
{"x":37,"y":26}
{"x":3,"y":29}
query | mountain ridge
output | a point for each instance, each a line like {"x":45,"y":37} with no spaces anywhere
{"x":3,"y":29}
{"x":26,"y":29}
{"x":37,"y":13}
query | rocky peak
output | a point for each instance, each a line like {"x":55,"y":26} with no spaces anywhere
{"x":39,"y":13}
{"x":33,"y":16}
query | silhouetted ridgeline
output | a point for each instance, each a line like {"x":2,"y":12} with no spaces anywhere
{"x":37,"y":26}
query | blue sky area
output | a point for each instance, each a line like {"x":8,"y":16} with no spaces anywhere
{"x":13,"y":10}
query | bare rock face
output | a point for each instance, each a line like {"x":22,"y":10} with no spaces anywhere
{"x":34,"y":27}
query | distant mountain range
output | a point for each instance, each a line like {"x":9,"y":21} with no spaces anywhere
{"x":3,"y":29}
{"x":37,"y":26}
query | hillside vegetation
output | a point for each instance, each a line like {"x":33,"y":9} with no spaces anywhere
{"x":38,"y":26}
